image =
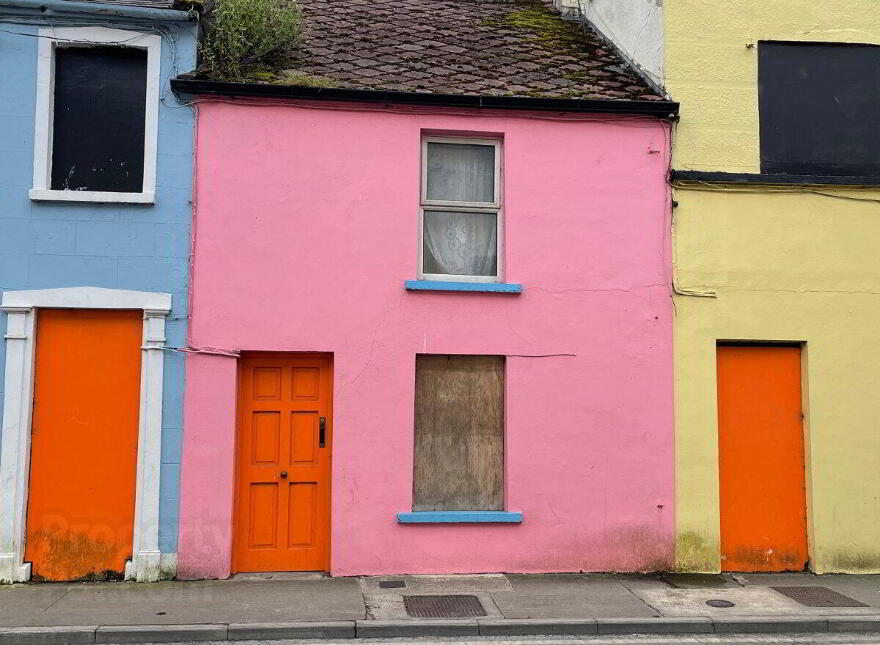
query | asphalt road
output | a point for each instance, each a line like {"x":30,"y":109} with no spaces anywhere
{"x":673,"y":639}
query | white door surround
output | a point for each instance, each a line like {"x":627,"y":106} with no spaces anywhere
{"x":15,"y":446}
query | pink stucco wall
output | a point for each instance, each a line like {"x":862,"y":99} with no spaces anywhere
{"x":307,"y":227}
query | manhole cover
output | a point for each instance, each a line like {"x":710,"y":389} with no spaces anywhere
{"x":391,"y":584}
{"x":716,"y":602}
{"x":443,"y":606}
{"x":818,"y":597}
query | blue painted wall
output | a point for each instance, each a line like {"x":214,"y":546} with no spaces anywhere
{"x":47,"y":245}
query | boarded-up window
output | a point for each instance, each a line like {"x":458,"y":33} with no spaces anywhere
{"x":820,"y":108}
{"x":459,"y":433}
{"x":99,"y":119}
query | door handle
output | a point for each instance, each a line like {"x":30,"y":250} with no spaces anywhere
{"x":283,"y":474}
{"x":322,"y":432}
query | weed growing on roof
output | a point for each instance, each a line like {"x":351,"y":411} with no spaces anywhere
{"x":292,"y":77}
{"x":243,"y":36}
{"x":551,"y":32}
{"x":542,"y":26}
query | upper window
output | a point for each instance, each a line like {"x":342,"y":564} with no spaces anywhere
{"x":461,"y":209}
{"x":97,"y":110}
{"x":819,"y":108}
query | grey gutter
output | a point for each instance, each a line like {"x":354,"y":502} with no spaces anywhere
{"x":196,"y":87}
{"x":767,"y":179}
{"x":60,"y":8}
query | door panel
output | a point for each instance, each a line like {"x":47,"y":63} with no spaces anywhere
{"x":761,"y":459}
{"x":84,"y":441}
{"x":283,"y":492}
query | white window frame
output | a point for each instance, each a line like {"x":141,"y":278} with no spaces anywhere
{"x":22,"y":309}
{"x":468,"y":207}
{"x":50,"y":38}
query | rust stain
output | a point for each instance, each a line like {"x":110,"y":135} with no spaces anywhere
{"x":756,"y":559}
{"x":75,"y":556}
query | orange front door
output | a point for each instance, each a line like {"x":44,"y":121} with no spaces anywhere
{"x":761,"y":459}
{"x":84,"y":440}
{"x":284,"y":439}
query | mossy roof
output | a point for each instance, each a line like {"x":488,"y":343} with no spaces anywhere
{"x":474,"y":47}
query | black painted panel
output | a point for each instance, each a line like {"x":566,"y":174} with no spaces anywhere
{"x":819,"y":108}
{"x":98,"y":131}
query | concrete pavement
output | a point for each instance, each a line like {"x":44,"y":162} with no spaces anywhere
{"x":278,"y":606}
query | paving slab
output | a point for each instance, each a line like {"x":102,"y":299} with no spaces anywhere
{"x":22,"y":604}
{"x":641,"y":581}
{"x":389,"y":606}
{"x":387,"y":603}
{"x":217,"y":601}
{"x":456,"y":584}
{"x":864,"y":588}
{"x":606,"y":600}
{"x":699,"y":580}
{"x":563,"y":583}
{"x":751,"y":601}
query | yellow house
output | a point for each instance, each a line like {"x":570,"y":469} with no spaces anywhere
{"x":776,"y":250}
{"x":777,"y":240}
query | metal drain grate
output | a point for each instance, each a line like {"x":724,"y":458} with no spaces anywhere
{"x":818,"y":597}
{"x":391,"y":584}
{"x":443,"y":606}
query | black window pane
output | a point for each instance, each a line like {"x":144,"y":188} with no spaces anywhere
{"x":98,"y":129}
{"x":820,"y":108}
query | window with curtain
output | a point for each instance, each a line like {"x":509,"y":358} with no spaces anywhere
{"x":461,"y":218}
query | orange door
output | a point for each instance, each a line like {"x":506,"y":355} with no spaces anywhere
{"x":761,"y":459}
{"x":284,"y":438}
{"x":83,"y":443}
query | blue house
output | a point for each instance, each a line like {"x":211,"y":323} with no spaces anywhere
{"x":95,"y":222}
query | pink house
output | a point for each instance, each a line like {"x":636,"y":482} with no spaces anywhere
{"x":432,"y":314}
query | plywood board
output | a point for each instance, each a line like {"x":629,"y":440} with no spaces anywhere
{"x":459,"y":436}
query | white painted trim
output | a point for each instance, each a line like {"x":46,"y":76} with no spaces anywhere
{"x":86,"y":298}
{"x":49,"y":39}
{"x":493,"y":208}
{"x":21,"y":306}
{"x":91,"y":196}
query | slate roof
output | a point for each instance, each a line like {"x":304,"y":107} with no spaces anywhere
{"x":474,"y":47}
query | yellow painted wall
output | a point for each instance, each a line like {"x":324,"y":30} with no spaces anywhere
{"x":786,"y":264}
{"x":713,"y":73}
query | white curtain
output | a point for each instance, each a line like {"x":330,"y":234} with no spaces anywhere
{"x":459,"y":243}
{"x":461,"y":172}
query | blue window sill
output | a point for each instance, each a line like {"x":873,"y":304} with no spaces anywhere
{"x":460,"y":517}
{"x":480,"y":287}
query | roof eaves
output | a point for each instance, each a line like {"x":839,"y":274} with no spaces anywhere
{"x":57,"y":8}
{"x":659,"y":109}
